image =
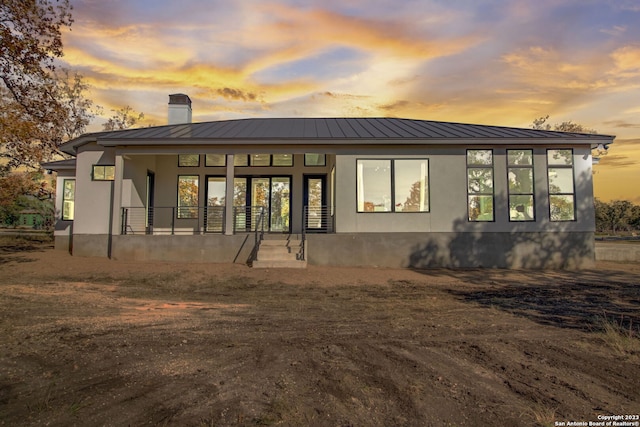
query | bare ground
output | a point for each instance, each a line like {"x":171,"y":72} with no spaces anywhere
{"x":88,"y":341}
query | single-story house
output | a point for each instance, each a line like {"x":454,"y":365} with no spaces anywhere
{"x":331,"y":191}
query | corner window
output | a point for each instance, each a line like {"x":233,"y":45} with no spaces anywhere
{"x":520,"y":177}
{"x":103,"y":173}
{"x":188,"y":196}
{"x":314,"y":159}
{"x":561,"y":185}
{"x":393,"y":185}
{"x":68,"y":199}
{"x":480,"y":185}
{"x":188,"y":160}
{"x":213,"y":160}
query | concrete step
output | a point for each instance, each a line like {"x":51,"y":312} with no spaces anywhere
{"x":281,"y":243}
{"x":279,"y":264}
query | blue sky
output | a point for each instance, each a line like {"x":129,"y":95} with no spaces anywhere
{"x":500,"y":62}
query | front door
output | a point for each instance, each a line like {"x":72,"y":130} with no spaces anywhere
{"x":315,"y":217}
{"x":274,"y":194}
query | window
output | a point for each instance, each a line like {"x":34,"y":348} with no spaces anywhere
{"x":212,"y":160}
{"x":271,"y":159}
{"x":480,"y":185}
{"x":561,"y":185}
{"x":103,"y":173}
{"x":241,"y":160}
{"x":260,"y":160}
{"x":313,"y":159}
{"x":520,"y":177}
{"x":188,"y":160}
{"x":68,"y":198}
{"x":393,"y":185}
{"x":188,"y":196}
{"x":282,"y":160}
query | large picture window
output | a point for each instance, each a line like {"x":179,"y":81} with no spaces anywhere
{"x":520,"y":176}
{"x":480,"y":185}
{"x":561,"y":185}
{"x":68,"y":199}
{"x":188,"y":196}
{"x":393,"y":185}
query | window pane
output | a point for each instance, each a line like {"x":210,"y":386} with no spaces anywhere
{"x":109,"y":173}
{"x":480,"y":180}
{"x":98,"y":173}
{"x":560,"y":157}
{"x":215,"y":160}
{"x":520,"y":157}
{"x":67,"y":210}
{"x":411,"y":193}
{"x":240,"y":160}
{"x":521,"y":180}
{"x":188,"y":196}
{"x":480,"y":157}
{"x":69,"y":189}
{"x":189,"y":160}
{"x":560,"y":180}
{"x":562,"y":208}
{"x":283,"y":160}
{"x":374,"y":185}
{"x":480,"y":208}
{"x":216,"y":191}
{"x":239,"y":191}
{"x":313,"y":159}
{"x":521,"y":208}
{"x":260,"y":159}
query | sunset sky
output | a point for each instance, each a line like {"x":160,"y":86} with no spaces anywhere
{"x":498,"y":62}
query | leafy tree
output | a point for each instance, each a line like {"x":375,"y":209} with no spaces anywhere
{"x":123,"y":118}
{"x":24,"y":190}
{"x":32,"y":114}
{"x":541,"y":124}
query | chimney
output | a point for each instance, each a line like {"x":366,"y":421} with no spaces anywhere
{"x":179,"y":109}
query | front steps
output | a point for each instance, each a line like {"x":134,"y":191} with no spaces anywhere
{"x":279,"y":251}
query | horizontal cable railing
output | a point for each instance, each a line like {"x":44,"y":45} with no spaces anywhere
{"x":318,"y":219}
{"x":246,"y":218}
{"x":173,"y":220}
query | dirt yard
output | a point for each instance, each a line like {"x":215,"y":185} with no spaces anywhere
{"x":92,"y":342}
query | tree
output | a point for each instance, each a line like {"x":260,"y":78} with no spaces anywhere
{"x":541,"y":124}
{"x":123,"y":118}
{"x":32,"y":115}
{"x":24,"y":190}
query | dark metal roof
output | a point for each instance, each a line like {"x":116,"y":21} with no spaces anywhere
{"x":60,"y":165}
{"x":327,"y":130}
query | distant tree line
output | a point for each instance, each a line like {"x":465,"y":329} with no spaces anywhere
{"x":617,"y":217}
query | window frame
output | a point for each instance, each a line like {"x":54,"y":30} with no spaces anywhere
{"x":533,"y":184}
{"x":392,"y":183}
{"x":570,"y":166}
{"x":490,"y":167}
{"x":104,"y":172}
{"x":72,"y":199}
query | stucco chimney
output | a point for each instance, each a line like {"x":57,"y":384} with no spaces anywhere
{"x":179,"y":109}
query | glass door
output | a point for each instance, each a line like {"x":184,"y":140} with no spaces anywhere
{"x":273,"y":194}
{"x":216,"y":194}
{"x":314,"y":201}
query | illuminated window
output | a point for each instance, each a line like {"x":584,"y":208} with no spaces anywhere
{"x":103,"y":173}
{"x":520,"y":176}
{"x":480,"y":185}
{"x":314,"y":159}
{"x":68,"y":199}
{"x":561,"y":185}
{"x":408,"y":192}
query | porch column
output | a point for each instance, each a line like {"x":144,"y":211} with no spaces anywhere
{"x":228,"y":197}
{"x":116,"y":200}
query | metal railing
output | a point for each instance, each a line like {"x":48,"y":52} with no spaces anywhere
{"x":246,"y":218}
{"x":315,"y":219}
{"x":173,"y":220}
{"x":259,"y":232}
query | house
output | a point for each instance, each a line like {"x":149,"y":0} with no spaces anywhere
{"x":330,"y":191}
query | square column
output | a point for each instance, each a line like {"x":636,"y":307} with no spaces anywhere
{"x":228,"y":197}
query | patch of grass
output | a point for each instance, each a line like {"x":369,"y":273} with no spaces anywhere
{"x":620,"y":335}
{"x":543,"y":415}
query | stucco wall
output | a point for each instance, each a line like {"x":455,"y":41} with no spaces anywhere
{"x":448,"y":195}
